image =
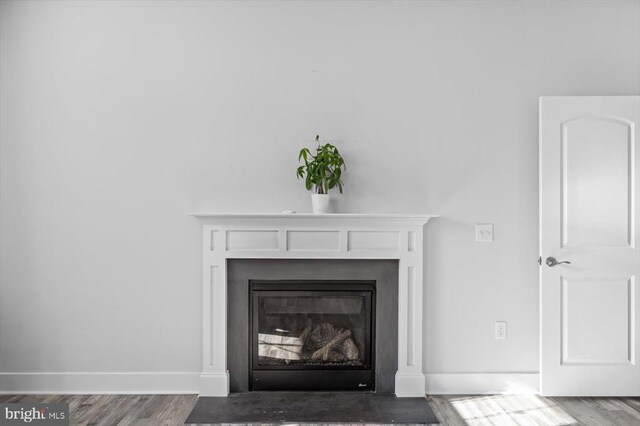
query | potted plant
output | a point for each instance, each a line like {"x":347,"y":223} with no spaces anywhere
{"x":321,"y":172}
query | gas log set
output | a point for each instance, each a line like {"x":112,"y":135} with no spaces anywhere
{"x":322,"y":344}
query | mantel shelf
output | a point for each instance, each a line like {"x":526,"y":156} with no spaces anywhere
{"x":328,"y":216}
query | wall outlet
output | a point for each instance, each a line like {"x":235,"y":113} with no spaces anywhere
{"x":484,"y":232}
{"x":501,"y":330}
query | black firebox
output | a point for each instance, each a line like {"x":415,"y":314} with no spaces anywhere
{"x":312,"y":335}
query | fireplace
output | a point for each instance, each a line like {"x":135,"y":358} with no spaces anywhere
{"x":312,"y":335}
{"x":295,"y":240}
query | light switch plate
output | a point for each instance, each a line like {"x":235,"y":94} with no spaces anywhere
{"x":484,"y":232}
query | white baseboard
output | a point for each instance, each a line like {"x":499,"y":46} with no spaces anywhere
{"x":100,"y":383}
{"x":481,"y":383}
{"x":191,"y":383}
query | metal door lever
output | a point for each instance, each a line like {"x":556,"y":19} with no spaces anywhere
{"x":551,"y":261}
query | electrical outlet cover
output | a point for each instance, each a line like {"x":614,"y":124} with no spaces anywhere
{"x":501,"y":330}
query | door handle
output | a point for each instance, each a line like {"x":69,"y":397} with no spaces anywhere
{"x":551,"y":262}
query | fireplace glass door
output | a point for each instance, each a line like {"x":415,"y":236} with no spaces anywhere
{"x":310,"y":335}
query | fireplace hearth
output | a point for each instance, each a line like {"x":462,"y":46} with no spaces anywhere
{"x":312,"y":335}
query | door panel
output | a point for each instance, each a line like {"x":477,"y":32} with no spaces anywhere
{"x":597,"y":170}
{"x":588,"y":214}
{"x":600,"y":335}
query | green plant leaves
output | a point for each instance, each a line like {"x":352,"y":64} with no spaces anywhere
{"x":322,"y":170}
{"x":304,"y":152}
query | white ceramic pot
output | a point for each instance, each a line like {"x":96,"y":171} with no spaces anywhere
{"x":320,"y":203}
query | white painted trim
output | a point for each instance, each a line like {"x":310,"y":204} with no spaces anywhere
{"x":386,"y":216}
{"x":481,"y":383}
{"x":214,"y":384}
{"x":409,"y":385}
{"x":215,"y":377}
{"x":194,"y":383}
{"x":100,"y":383}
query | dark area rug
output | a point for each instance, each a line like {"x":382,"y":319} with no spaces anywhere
{"x":312,"y":407}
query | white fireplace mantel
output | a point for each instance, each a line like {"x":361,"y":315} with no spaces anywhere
{"x":311,"y":236}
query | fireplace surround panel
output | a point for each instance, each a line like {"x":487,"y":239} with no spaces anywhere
{"x":316,"y":273}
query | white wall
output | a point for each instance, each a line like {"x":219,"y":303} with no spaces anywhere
{"x":118,"y":118}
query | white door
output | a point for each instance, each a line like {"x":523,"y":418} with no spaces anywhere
{"x":589,"y":319}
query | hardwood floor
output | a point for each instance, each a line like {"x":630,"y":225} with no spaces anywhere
{"x":129,"y":410}
{"x":535,"y":410}
{"x":499,"y":410}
